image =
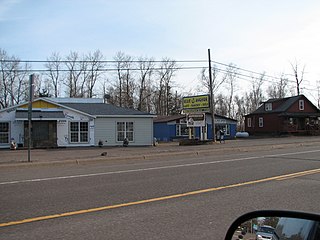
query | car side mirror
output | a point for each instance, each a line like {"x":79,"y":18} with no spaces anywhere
{"x":275,"y":225}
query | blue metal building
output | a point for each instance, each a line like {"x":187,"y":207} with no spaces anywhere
{"x":171,"y":128}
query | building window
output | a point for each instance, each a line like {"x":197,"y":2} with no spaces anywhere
{"x":4,"y":132}
{"x":268,"y":106}
{"x":79,"y":132}
{"x":227,"y":130}
{"x":182,"y":130}
{"x":261,"y":122}
{"x":301,"y":105}
{"x":125,"y":130}
{"x":249,"y":122}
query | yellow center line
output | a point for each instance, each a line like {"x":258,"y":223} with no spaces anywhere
{"x":68,"y":214}
{"x":299,"y":174}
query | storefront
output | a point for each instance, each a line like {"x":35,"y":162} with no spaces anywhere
{"x":172,"y":128}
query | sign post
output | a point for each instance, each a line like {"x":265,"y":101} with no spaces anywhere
{"x":31,"y":80}
{"x":211,"y":98}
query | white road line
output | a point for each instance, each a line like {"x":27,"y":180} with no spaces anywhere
{"x":294,"y":153}
{"x":152,"y":168}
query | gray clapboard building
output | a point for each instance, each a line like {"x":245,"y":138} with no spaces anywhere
{"x":73,"y":122}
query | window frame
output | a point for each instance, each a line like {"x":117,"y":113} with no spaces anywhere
{"x":261,"y":122}
{"x":227,"y":129}
{"x":249,"y":123}
{"x":80,"y":132}
{"x":127,"y":131}
{"x":301,"y":104}
{"x":5,"y":133}
{"x":268,"y":107}
{"x":179,"y":129}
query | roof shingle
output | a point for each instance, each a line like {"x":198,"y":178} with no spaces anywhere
{"x":102,"y":109}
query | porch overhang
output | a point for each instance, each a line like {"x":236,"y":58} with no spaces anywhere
{"x":300,"y":115}
{"x":22,"y":115}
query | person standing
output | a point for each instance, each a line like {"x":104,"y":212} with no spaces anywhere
{"x":222,"y":136}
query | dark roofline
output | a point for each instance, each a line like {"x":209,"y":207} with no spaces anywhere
{"x":163,"y":119}
{"x":220,"y":116}
{"x":106,"y":110}
{"x":287,"y":103}
{"x":272,"y":100}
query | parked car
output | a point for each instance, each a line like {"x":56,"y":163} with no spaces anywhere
{"x":265,"y":232}
{"x":289,"y":226}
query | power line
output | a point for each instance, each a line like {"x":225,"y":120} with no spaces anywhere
{"x":104,"y":61}
{"x":102,"y":69}
{"x":137,"y":61}
{"x":130,"y":61}
{"x":241,"y":76}
{"x":238,"y":75}
{"x":245,"y":70}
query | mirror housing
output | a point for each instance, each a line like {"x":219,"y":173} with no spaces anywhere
{"x":265,"y":214}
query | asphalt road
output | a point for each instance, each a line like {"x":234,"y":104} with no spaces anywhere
{"x":177,"y":197}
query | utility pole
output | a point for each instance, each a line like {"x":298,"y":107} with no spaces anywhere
{"x":211,"y":100}
{"x":31,"y":81}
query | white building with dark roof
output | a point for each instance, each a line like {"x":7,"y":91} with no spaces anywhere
{"x":74,"y":122}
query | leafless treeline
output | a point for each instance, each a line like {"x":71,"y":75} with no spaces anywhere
{"x":226,"y":85}
{"x":137,"y":82}
{"x":126,"y":81}
{"x":13,"y":83}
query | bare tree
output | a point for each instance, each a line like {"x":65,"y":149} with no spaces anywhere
{"x":146,"y":70}
{"x":298,"y":74}
{"x":8,"y":72}
{"x":165,"y":74}
{"x":54,"y":67}
{"x":75,"y":68}
{"x":112,"y":97}
{"x":94,"y":67}
{"x":231,"y":85}
{"x":22,"y":84}
{"x":205,"y":81}
{"x":176,"y":103}
{"x":255,"y":96}
{"x":221,"y":106}
{"x":40,"y":86}
{"x":279,"y":89}
{"x":216,"y":82}
{"x":119,"y":58}
{"x":241,"y":111}
{"x":12,"y":80}
{"x":125,"y":82}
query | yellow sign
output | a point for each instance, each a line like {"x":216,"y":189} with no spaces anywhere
{"x":196,"y":102}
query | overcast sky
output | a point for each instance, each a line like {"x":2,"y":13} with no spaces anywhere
{"x":259,"y":35}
